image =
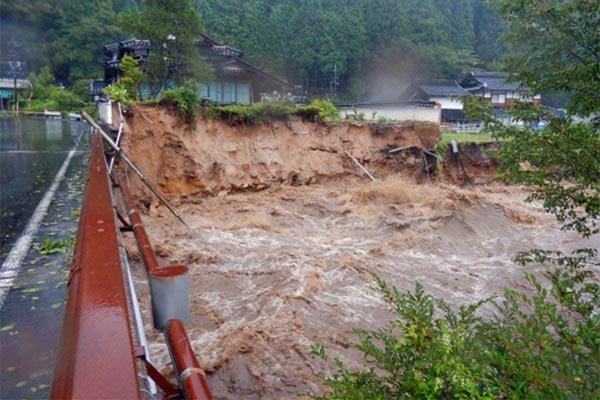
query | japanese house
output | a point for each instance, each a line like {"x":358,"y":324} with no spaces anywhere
{"x":445,"y":92}
{"x":490,"y":86}
{"x":495,"y":88}
{"x":237,"y":80}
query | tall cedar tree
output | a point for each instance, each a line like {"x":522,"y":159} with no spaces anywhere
{"x":173,"y":27}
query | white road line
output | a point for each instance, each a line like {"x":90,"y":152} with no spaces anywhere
{"x":10,"y":266}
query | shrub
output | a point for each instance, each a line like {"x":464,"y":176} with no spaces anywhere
{"x":318,"y":109}
{"x":66,"y":100}
{"x":132,"y":76}
{"x":185,"y":99}
{"x":39,"y":105}
{"x":250,"y":114}
{"x":42,"y":83}
{"x":126,"y":90}
{"x":540,"y":345}
{"x":47,"y":96}
{"x":118,"y":92}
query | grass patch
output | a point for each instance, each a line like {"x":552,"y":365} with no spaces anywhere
{"x":50,"y":246}
{"x":447,"y":137}
{"x":236,"y":114}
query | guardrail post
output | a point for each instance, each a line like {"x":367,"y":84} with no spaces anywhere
{"x":169,"y":288}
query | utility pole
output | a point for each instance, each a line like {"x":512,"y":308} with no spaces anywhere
{"x":335,"y":82}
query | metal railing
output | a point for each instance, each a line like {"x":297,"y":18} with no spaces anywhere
{"x":96,"y":354}
{"x":97,"y":357}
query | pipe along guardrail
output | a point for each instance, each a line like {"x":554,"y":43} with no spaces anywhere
{"x":97,"y":357}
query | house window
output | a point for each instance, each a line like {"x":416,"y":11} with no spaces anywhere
{"x":203,"y":92}
{"x":228,"y":92}
{"x":499,"y":98}
{"x":213,"y":93}
{"x":242,"y":93}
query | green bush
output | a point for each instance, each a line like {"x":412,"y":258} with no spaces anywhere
{"x":66,"y":100}
{"x":318,"y":110}
{"x":538,"y":346}
{"x":39,"y":105}
{"x":132,"y":76}
{"x":185,"y":99}
{"x":250,"y":114}
{"x":42,"y":83}
{"x":126,"y":90}
{"x":47,"y":96}
{"x":118,"y":92}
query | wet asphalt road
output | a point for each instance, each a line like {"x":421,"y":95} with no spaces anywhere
{"x":32,"y":152}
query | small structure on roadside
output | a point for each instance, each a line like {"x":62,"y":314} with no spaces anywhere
{"x":7,"y":90}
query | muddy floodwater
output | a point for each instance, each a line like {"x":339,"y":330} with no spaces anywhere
{"x":276,"y":270}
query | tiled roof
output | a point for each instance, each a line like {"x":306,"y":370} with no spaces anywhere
{"x":490,"y":80}
{"x":228,"y":59}
{"x":442,"y":87}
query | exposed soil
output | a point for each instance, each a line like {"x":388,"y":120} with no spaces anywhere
{"x":475,"y":163}
{"x":285,"y":233}
{"x":216,"y":157}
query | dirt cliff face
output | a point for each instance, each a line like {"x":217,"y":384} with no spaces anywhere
{"x":474,"y":163}
{"x":217,"y":158}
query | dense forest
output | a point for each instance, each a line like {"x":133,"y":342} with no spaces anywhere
{"x":364,"y":43}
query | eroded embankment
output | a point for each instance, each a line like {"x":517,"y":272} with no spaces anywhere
{"x":275,"y":270}
{"x":474,"y":163}
{"x":216,"y":157}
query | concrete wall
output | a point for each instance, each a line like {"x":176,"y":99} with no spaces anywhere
{"x":394,"y":113}
{"x":449,"y":103}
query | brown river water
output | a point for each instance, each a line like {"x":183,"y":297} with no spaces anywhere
{"x":277,"y":270}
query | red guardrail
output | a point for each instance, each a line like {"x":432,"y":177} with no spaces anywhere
{"x":192,"y":381}
{"x":96,"y":357}
{"x":135,"y":221}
